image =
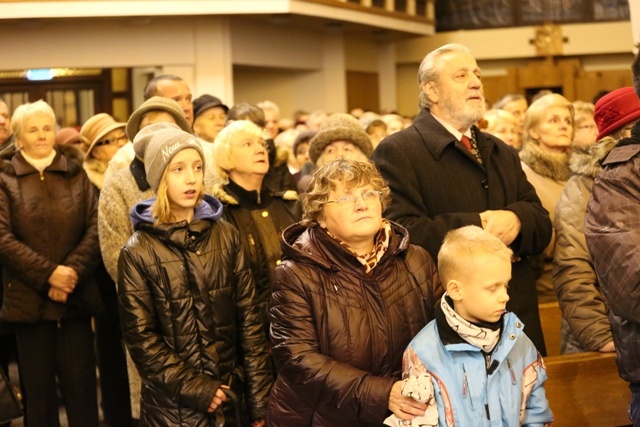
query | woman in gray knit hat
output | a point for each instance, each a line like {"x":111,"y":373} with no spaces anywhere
{"x":339,"y":136}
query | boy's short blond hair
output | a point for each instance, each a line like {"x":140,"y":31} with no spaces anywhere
{"x":462,"y":246}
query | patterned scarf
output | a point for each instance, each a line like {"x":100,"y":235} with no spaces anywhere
{"x":380,"y":246}
{"x":483,"y":338}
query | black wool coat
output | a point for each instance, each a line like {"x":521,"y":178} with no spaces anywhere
{"x":438,"y":186}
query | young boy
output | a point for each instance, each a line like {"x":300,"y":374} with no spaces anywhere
{"x":484,"y":370}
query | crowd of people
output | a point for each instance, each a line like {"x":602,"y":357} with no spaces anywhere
{"x":226,"y":266}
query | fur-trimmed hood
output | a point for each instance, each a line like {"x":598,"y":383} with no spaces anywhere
{"x":587,"y":160}
{"x":545,"y":163}
{"x":95,"y":170}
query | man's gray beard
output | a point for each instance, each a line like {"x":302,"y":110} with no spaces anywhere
{"x":465,"y":116}
{"x":470,"y":117}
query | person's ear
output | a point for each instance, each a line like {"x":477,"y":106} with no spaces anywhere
{"x":431,"y":91}
{"x":454,"y":290}
{"x":534,"y":135}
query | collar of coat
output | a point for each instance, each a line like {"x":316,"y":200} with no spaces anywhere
{"x":68,"y":160}
{"x":8,"y":148}
{"x":545,"y":163}
{"x":312,"y":245}
{"x":139,"y":174}
{"x":230,"y":193}
{"x":437,"y":138}
{"x":95,"y":170}
{"x":181,"y":234}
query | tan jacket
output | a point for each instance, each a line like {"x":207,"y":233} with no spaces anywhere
{"x":585,"y":326}
{"x":548,"y":173}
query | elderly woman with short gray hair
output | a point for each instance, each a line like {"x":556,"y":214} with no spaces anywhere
{"x":48,"y":250}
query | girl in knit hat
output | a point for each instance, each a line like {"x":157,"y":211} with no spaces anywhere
{"x":187,"y":297}
{"x":339,"y":136}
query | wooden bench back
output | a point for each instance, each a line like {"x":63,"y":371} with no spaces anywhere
{"x":550,"y":319}
{"x":585,"y":390}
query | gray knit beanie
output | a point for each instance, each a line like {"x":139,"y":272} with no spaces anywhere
{"x":162,"y":141}
{"x":339,"y":127}
{"x":156,"y":103}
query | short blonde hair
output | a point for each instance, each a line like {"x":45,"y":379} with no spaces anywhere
{"x":464,"y":245}
{"x":582,"y":110}
{"x":507,"y":99}
{"x":535,"y":110}
{"x":350,"y":174}
{"x":494,"y":117}
{"x":27,"y":110}
{"x":228,"y":139}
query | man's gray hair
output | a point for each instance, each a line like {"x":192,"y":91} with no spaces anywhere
{"x":431,"y":66}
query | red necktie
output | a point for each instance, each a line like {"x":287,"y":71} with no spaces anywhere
{"x":466,"y":142}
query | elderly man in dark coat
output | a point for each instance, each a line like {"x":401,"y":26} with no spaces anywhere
{"x":444,"y":174}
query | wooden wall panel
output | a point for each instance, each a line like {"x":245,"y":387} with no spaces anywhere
{"x":495,"y":87}
{"x":589,"y":83}
{"x":362,"y":91}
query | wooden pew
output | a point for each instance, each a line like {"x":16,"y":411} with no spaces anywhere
{"x":585,"y":390}
{"x":550,"y":319}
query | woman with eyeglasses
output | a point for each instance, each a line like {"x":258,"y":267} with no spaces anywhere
{"x":349,"y":295}
{"x":48,"y":251}
{"x":102,"y":136}
{"x":585,"y":130}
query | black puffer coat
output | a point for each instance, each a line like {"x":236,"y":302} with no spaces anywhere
{"x":339,"y":334}
{"x":189,"y":318}
{"x":260,"y":217}
{"x":47,"y":219}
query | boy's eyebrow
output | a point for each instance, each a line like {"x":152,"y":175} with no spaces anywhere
{"x":498,"y":284}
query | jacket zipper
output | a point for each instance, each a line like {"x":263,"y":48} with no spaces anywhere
{"x":513,"y":375}
{"x":465,"y":387}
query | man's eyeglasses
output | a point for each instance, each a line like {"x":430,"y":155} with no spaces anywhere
{"x":112,"y":141}
{"x":367,"y":197}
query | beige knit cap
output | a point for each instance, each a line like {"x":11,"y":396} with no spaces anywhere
{"x":156,"y":103}
{"x":339,"y":127}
